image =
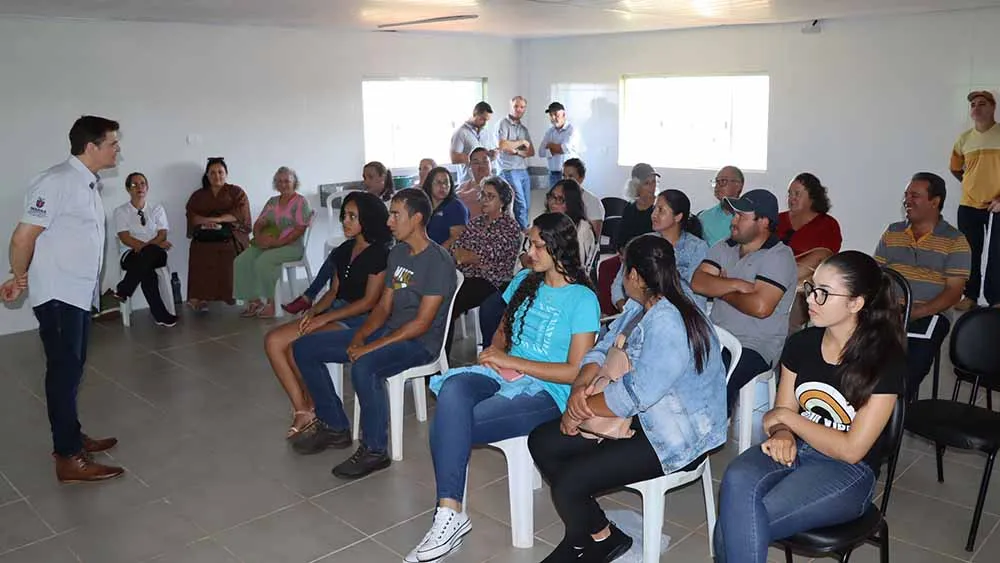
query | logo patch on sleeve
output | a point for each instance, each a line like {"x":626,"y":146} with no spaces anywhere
{"x":38,"y":209}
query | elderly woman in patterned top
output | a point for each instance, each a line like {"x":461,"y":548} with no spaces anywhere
{"x":487,"y":250}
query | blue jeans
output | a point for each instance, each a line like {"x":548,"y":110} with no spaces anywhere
{"x":554,"y":176}
{"x":64,"y":330}
{"x":520,"y":182}
{"x":469,"y":412}
{"x":323,"y":277}
{"x":761,"y":501}
{"x":368,"y":374}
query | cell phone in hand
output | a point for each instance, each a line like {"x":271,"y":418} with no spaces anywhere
{"x":509,"y":374}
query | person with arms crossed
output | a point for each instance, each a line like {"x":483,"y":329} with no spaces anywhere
{"x":561,"y":141}
{"x":57,"y":250}
{"x":975,"y":161}
{"x":515,"y":147}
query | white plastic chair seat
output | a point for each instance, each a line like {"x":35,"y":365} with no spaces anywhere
{"x":166,"y":294}
{"x":395,"y":386}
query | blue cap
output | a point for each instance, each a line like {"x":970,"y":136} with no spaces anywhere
{"x":761,"y":202}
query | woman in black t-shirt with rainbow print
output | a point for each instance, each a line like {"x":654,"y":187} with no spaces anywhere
{"x":838,"y":387}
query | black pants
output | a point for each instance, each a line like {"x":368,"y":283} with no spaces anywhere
{"x":64,"y":330}
{"x":973,"y":222}
{"x":751,"y":365}
{"x":471,"y":295}
{"x":140,"y":269}
{"x":577,"y":469}
{"x":920,"y":352}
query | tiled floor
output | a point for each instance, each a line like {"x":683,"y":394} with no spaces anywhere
{"x":211,"y":478}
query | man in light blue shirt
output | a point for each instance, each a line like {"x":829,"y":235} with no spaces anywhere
{"x":716,"y":221}
{"x":514,"y":148}
{"x":561,"y":142}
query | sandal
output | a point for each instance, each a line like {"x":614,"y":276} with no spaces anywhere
{"x":293,"y":430}
{"x":252,"y":310}
{"x":266,"y":312}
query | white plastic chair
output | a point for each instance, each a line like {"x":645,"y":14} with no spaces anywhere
{"x":288,"y":271}
{"x":396,"y":387}
{"x":653,"y":490}
{"x":523,"y":479}
{"x":163,"y":282}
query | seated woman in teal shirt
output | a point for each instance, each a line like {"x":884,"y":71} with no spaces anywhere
{"x":522,"y":380}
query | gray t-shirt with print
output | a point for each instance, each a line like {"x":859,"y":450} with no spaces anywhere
{"x":773,"y":264}
{"x":411,"y":277}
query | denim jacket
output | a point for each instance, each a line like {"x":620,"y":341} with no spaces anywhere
{"x":683,"y":412}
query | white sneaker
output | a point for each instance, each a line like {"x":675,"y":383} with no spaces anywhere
{"x":444,"y":536}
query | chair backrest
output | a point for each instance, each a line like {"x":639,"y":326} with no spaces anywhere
{"x":307,"y":234}
{"x":973,"y":348}
{"x":895,"y":437}
{"x":443,"y":355}
{"x":608,"y":229}
{"x":904,"y":288}
{"x":613,"y":207}
{"x":732,"y":344}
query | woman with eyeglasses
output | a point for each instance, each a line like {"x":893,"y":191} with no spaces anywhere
{"x":827,"y":434}
{"x":522,"y":379}
{"x":219,"y":226}
{"x":486,"y":251}
{"x":142,"y":231}
{"x":449,"y":215}
{"x":566,"y":196}
{"x":277,"y":238}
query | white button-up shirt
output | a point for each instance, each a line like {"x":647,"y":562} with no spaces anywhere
{"x":126,"y":218}
{"x":568,"y":138}
{"x":65,"y":200}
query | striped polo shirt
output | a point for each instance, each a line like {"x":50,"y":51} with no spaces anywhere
{"x":925,"y":262}
{"x":978,"y":155}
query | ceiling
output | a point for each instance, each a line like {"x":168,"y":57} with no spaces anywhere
{"x":518,"y":18}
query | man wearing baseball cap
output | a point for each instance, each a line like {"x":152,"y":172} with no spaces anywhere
{"x":561,"y":142}
{"x":752,"y":277}
{"x":975,"y":161}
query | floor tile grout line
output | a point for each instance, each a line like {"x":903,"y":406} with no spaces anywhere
{"x":944,"y":500}
{"x":925,"y":548}
{"x":344,"y":548}
{"x":338,"y":518}
{"x":214,"y":534}
{"x":983,"y":539}
{"x":31,"y":543}
{"x":12,"y":486}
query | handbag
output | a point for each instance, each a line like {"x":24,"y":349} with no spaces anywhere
{"x":616,"y":365}
{"x":222,"y":234}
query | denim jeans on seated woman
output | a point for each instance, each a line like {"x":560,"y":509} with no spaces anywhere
{"x":762,"y":501}
{"x":470,"y":412}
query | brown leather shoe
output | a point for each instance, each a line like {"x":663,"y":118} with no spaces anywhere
{"x":92,"y":446}
{"x":80,"y":468}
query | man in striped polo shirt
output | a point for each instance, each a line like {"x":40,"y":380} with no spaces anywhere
{"x":934,"y":257}
{"x":975,"y":161}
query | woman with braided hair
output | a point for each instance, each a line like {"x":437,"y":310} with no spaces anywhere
{"x":523,"y":378}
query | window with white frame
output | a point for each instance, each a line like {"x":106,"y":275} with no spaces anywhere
{"x":694,"y":122}
{"x":406,"y":119}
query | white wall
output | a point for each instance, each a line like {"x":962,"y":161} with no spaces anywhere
{"x":863,"y":105}
{"x":260,"y":97}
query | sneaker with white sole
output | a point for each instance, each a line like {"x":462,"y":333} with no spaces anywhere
{"x":444,"y":536}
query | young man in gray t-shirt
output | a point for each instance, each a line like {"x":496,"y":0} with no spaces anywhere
{"x":404,"y":330}
{"x":752,"y":277}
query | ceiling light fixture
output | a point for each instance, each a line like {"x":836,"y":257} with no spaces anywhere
{"x":441,"y":19}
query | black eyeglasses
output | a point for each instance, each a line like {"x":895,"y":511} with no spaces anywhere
{"x":555,"y":198}
{"x":142,"y":218}
{"x":819,"y":294}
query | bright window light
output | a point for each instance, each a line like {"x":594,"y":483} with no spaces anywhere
{"x":694,"y":122}
{"x":409,"y":119}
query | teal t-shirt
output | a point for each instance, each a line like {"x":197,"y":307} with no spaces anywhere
{"x":549,"y":325}
{"x":715,"y":224}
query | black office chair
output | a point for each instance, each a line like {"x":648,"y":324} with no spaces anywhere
{"x":609,"y":229}
{"x":976,"y":356}
{"x":842,"y":539}
{"x":613,"y":206}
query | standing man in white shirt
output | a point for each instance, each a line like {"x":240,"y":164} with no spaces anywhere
{"x":470,"y":135}
{"x":561,"y":141}
{"x":515,"y":147}
{"x":56,"y":252}
{"x":142,"y":228}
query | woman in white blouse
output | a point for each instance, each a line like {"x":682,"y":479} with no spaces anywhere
{"x":142,"y":229}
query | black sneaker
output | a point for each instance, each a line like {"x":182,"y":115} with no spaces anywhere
{"x":565,"y":552}
{"x":321,"y":437}
{"x":168,"y":321}
{"x":363,"y":462}
{"x":608,"y":549}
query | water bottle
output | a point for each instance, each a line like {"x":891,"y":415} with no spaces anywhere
{"x":175,"y":285}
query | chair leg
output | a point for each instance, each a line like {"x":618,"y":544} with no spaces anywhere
{"x":772,"y":390}
{"x":937,"y":375}
{"x":419,"y":398}
{"x":519,"y":481}
{"x":336,"y":372}
{"x":278,"y":311}
{"x":357,"y":418}
{"x":939,"y":454}
{"x":788,"y":555}
{"x":125,"y":310}
{"x":980,"y":501}
{"x":653,"y":505}
{"x":884,"y":542}
{"x":706,"y":485}
{"x":745,"y":409}
{"x":396,"y":416}
{"x":954,"y":391}
{"x":461,"y":327}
